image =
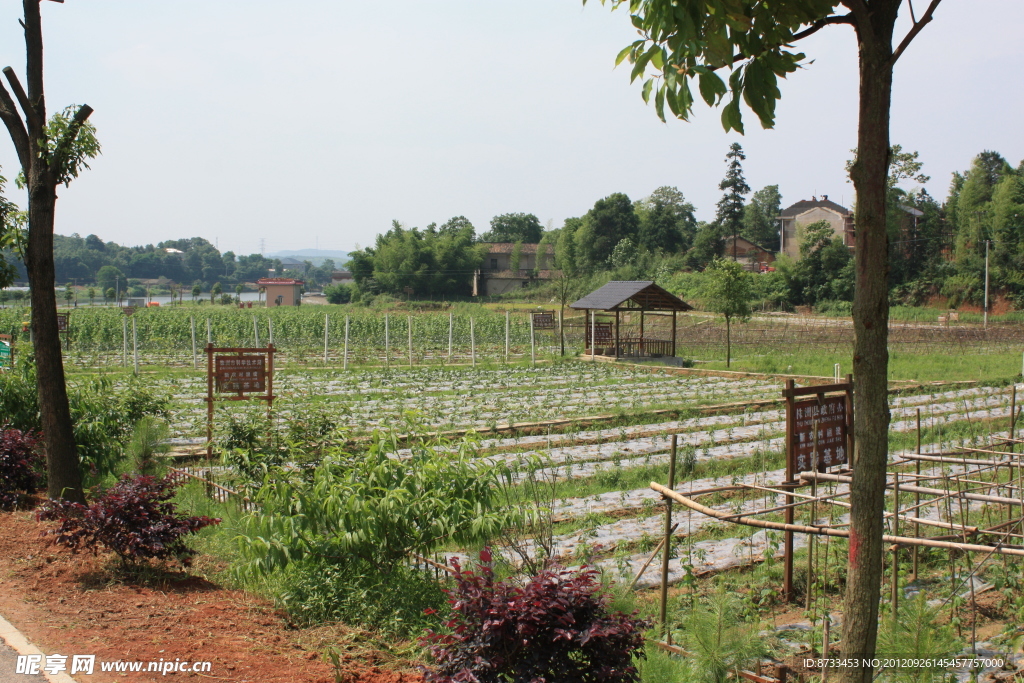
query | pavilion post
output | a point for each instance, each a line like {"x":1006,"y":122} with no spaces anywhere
{"x":616,"y":334}
{"x":641,"y":352}
{"x":673,"y":333}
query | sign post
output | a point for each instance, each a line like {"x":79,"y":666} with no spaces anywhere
{"x":248,"y":373}
{"x":819,"y":435}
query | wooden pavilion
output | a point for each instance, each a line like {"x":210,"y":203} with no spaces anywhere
{"x":627,"y":329}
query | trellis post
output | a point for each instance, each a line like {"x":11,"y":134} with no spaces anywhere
{"x":472,"y":341}
{"x":344,"y":362}
{"x":135,"y":346}
{"x":327,"y":328}
{"x":387,"y":341}
{"x":410,"y":341}
{"x":192,"y":321}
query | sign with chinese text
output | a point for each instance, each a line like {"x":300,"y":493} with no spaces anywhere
{"x":832,"y":442}
{"x":544,"y":320}
{"x":62,"y":322}
{"x":240,"y":374}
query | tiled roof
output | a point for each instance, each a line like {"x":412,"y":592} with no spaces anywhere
{"x":507,"y":247}
{"x":644,"y":293}
{"x":808,"y":204}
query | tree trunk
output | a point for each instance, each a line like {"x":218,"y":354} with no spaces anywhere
{"x":64,"y":477}
{"x":728,"y":343}
{"x":871,"y":328}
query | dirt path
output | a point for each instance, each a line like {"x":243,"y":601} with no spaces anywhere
{"x":67,"y":604}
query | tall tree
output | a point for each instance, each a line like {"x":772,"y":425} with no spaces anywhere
{"x":666,"y":221}
{"x":761,"y":218}
{"x":610,"y":221}
{"x":514,"y":227}
{"x":684,"y":40}
{"x":51,"y":152}
{"x":730,"y":207}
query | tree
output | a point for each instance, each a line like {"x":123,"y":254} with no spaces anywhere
{"x":91,"y":292}
{"x":666,"y":221}
{"x":511,"y":227}
{"x":109,"y":294}
{"x":69,"y":293}
{"x":761,"y":218}
{"x":215,"y":292}
{"x":610,"y":221}
{"x":727,"y":291}
{"x":51,"y":152}
{"x":197,"y":290}
{"x":687,"y":40}
{"x":730,"y":207}
{"x":109,"y":276}
{"x":239,"y":288}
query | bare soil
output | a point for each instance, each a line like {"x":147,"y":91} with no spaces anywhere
{"x":76,"y":604}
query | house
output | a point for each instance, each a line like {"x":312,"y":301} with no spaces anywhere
{"x":499,"y":273}
{"x":810,"y":211}
{"x":342,"y":277}
{"x":745,"y":252}
{"x":281,"y":291}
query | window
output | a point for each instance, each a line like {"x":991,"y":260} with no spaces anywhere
{"x":494,"y":264}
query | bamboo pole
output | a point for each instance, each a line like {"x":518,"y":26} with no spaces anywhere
{"x":192,"y":321}
{"x":824,"y":476}
{"x":826,"y":531}
{"x":507,"y":330}
{"x":255,"y":332}
{"x":387,"y":341}
{"x":472,"y":341}
{"x":135,"y":346}
{"x":124,"y":348}
{"x":344,"y":362}
{"x":533,"y":343}
{"x":451,"y":332}
{"x":650,"y":559}
{"x":666,"y":550}
{"x":209,"y":332}
{"x":327,"y":329}
{"x":270,"y":330}
{"x":410,"y":341}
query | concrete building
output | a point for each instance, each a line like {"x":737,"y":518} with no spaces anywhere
{"x":810,"y":211}
{"x":281,"y":291}
{"x":751,"y":256}
{"x":497,"y":275}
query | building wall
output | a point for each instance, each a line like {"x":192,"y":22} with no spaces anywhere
{"x":289,"y":295}
{"x":792,"y":234}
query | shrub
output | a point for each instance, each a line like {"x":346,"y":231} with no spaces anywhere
{"x":20,"y":466}
{"x":555,"y":628}
{"x":134,"y":518}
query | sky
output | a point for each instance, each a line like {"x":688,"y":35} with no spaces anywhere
{"x":264,"y":125}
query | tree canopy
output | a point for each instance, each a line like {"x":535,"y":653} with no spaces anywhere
{"x":514,"y":227}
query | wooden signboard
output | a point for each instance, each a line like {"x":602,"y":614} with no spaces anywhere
{"x":819,"y":435}
{"x":248,"y":373}
{"x":829,"y":447}
{"x":240,"y":374}
{"x":127,"y":310}
{"x":544,"y":320}
{"x":62,"y":322}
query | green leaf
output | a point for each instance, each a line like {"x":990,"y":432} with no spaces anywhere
{"x":712,"y":88}
{"x":624,"y":53}
{"x":659,"y":102}
{"x":646,"y":94}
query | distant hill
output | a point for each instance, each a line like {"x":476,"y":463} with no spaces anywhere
{"x":315,"y":256}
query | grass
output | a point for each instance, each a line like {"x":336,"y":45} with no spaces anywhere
{"x":931,"y":367}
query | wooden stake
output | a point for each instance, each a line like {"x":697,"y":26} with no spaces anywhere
{"x":135,"y":346}
{"x":666,"y":550}
{"x":344,"y":362}
{"x":327,"y":328}
{"x":507,"y":326}
{"x":387,"y":341}
{"x":124,"y":349}
{"x":451,"y":331}
{"x":472,"y":341}
{"x":195,"y":362}
{"x":917,"y":495}
{"x":410,"y":341}
{"x":533,"y":343}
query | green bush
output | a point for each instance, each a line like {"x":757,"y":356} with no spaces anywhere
{"x":315,"y":591}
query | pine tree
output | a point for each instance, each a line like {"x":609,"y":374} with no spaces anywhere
{"x":730,"y":207}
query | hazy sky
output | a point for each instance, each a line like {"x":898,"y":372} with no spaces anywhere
{"x":317,"y":123}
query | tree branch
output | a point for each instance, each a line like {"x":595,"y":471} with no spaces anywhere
{"x":813,"y":28}
{"x":60,"y":150}
{"x":15,"y":126}
{"x":918,"y":25}
{"x":34,"y":123}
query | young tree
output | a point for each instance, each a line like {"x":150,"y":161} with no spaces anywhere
{"x":215,"y":292}
{"x":51,"y":152}
{"x":727,"y":291}
{"x":730,"y":207}
{"x":684,"y":40}
{"x":91,"y":292}
{"x":197,"y":290}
